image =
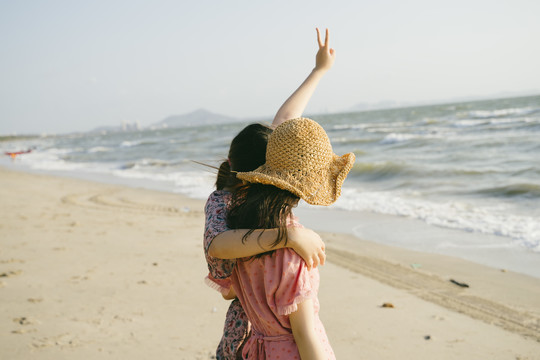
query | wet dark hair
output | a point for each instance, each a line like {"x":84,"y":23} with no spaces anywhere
{"x":247,"y":152}
{"x":259,"y":206}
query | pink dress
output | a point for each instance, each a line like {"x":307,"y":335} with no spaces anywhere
{"x":269,"y":288}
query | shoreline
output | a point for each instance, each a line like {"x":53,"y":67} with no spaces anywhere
{"x":99,"y":270}
{"x":414,"y":234}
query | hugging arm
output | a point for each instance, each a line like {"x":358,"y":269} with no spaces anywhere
{"x":294,"y":106}
{"x":307,"y":244}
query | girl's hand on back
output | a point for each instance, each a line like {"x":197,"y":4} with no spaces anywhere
{"x":308,"y":245}
{"x":326,"y":55}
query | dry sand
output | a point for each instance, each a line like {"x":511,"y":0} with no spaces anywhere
{"x":95,"y":271}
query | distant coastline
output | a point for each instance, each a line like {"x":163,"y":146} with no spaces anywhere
{"x":206,"y":117}
{"x":392,"y":104}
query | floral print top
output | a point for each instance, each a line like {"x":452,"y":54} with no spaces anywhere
{"x":216,"y":222}
{"x":236,"y":327}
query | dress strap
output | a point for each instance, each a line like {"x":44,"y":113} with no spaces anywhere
{"x":261,"y":337}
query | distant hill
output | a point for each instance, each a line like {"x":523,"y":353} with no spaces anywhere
{"x":195,"y":118}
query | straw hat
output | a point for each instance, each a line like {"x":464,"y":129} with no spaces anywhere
{"x":299,"y":158}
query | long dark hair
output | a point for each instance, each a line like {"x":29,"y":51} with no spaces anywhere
{"x":259,"y":206}
{"x":247,"y":152}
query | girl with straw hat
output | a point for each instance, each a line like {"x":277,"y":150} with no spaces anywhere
{"x":276,"y":289}
{"x":247,"y":152}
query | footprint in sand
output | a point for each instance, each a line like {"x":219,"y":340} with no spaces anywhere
{"x":10,"y":273}
{"x":23,"y":331}
{"x":26,"y":321}
{"x":34,"y":300}
{"x":77,"y":279}
{"x":63,"y":341}
{"x":11,"y":261}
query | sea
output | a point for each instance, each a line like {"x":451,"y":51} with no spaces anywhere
{"x":470,"y":170}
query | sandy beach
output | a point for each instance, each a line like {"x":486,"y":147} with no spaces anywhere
{"x":99,"y":271}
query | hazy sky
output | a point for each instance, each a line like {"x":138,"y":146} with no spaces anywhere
{"x":75,"y":65}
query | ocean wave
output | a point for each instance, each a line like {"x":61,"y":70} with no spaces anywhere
{"x":469,"y":123}
{"x":394,"y":138}
{"x":460,"y":215}
{"x":420,"y":136}
{"x":349,"y":126}
{"x":496,"y":123}
{"x":531,"y":170}
{"x":98,"y":149}
{"x":51,"y":161}
{"x":59,"y":151}
{"x":520,"y":120}
{"x":129,"y":143}
{"x":135,"y":143}
{"x":378,"y":170}
{"x":149,"y":162}
{"x":407,"y":173}
{"x":486,"y":114}
{"x":191,"y":183}
{"x":526,"y":190}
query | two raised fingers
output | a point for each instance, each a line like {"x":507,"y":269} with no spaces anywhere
{"x":326,"y":39}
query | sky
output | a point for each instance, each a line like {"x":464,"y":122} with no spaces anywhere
{"x":75,"y":65}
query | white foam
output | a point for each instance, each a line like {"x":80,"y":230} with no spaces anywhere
{"x":98,"y":149}
{"x":50,"y":160}
{"x":484,"y":114}
{"x":129,"y":143}
{"x":462,"y":215}
{"x":396,"y":138}
{"x":350,"y":126}
{"x":191,"y":183}
{"x":469,"y":123}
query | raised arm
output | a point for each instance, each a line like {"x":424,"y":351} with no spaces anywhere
{"x":294,"y":106}
{"x":307,"y":243}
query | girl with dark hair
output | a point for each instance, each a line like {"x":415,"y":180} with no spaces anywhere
{"x":222,"y":247}
{"x":276,"y":289}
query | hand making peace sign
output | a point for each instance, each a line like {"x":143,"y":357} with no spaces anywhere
{"x":326,"y":55}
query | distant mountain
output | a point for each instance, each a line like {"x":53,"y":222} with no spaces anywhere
{"x":195,"y":118}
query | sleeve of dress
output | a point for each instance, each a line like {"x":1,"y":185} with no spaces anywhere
{"x":215,"y":212}
{"x":221,"y":285}
{"x":296,"y":283}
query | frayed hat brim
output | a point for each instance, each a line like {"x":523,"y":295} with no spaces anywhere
{"x":315,"y":186}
